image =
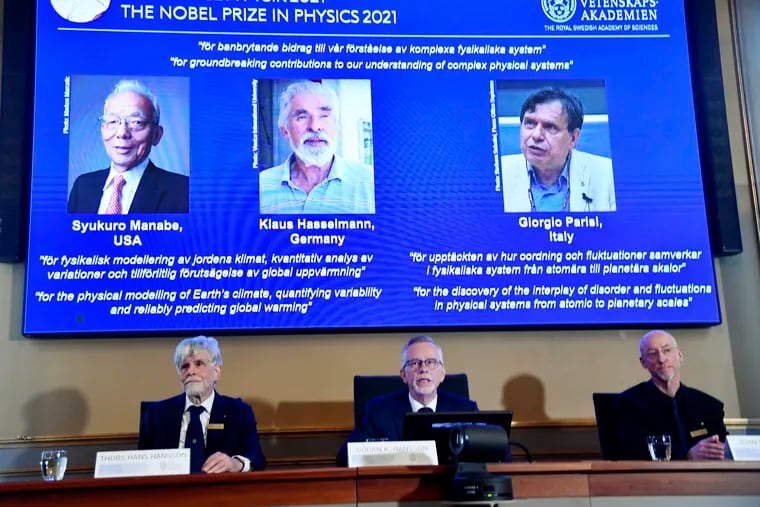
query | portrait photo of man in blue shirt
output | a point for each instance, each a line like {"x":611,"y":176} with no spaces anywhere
{"x":315,"y":178}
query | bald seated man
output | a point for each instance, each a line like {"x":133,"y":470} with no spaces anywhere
{"x":664,"y":405}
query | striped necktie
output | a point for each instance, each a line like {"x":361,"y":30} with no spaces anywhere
{"x":114,"y":205}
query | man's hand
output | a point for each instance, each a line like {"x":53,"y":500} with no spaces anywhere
{"x":219,"y":462}
{"x":708,"y":448}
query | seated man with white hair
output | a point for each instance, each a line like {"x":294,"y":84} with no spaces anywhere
{"x":219,"y":430}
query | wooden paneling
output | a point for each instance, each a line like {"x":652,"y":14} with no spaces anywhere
{"x":645,"y":478}
{"x":257,"y":489}
{"x":639,"y":481}
{"x":396,"y":484}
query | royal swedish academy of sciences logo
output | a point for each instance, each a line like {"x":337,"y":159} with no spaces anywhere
{"x":559,"y":11}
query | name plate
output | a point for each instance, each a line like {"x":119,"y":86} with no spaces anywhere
{"x":390,"y":453}
{"x":142,"y":463}
{"x":744,"y":447}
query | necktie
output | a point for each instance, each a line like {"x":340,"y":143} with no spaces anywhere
{"x":114,"y":205}
{"x":426,"y":410}
{"x":194,"y":439}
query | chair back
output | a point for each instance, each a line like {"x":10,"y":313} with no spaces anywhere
{"x":607,"y":411}
{"x":367,"y":387}
{"x":144,"y":405}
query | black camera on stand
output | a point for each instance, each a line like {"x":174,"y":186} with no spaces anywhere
{"x":472,"y":447}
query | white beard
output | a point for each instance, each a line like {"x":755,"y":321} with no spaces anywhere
{"x":195,"y":388}
{"x":314,"y":155}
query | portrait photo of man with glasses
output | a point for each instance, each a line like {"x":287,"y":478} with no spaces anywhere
{"x":130,"y":128}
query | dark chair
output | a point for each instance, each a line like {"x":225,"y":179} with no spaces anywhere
{"x":144,"y":405}
{"x":607,"y":410}
{"x":367,"y":387}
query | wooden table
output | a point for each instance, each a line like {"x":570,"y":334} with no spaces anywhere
{"x":588,"y":484}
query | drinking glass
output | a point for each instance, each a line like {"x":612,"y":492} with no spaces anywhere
{"x":53,"y":464}
{"x":659,"y":447}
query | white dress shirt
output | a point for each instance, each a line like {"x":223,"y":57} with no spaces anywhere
{"x":416,"y":405}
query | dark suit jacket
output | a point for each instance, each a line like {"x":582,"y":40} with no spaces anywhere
{"x":384,"y":417}
{"x":159,"y":191}
{"x":645,"y":410}
{"x":161,"y":422}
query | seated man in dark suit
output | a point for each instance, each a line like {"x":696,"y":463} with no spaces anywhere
{"x":133,"y":184}
{"x":422,"y":370}
{"x":227,"y":425}
{"x":665,"y":406}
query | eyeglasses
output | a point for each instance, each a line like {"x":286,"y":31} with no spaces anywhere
{"x":110,"y":123}
{"x":654,"y":354}
{"x":430,"y":364}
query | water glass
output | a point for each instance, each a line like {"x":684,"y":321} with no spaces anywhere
{"x":53,"y":464}
{"x":659,"y":447}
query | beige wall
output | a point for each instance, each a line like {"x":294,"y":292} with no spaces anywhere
{"x":743,"y":272}
{"x":67,"y":387}
{"x":296,"y":381}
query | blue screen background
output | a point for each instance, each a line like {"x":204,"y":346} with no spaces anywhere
{"x":436,"y":137}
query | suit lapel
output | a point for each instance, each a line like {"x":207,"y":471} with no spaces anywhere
{"x":94,"y":192}
{"x":402,"y":401}
{"x":444,"y":403}
{"x":217,"y":425}
{"x":174,"y":417}
{"x":147,"y":192}
{"x":517,"y":185}
{"x":579,"y":181}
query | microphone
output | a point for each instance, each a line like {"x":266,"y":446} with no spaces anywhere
{"x":588,"y":200}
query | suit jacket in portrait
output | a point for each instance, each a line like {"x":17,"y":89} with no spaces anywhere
{"x":159,"y":191}
{"x":231,"y":430}
{"x":591,"y":183}
{"x":645,"y":410}
{"x":384,"y":417}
